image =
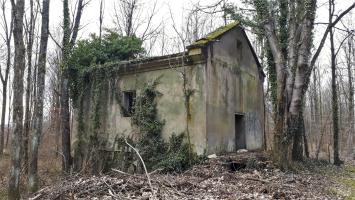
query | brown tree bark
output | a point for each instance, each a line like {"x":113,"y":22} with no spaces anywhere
{"x":38,"y":122}
{"x":18,"y":10}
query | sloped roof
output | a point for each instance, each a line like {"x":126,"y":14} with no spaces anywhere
{"x":213,"y":35}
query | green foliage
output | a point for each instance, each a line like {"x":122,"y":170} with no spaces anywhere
{"x":111,"y":47}
{"x":91,"y":60}
{"x":90,"y":73}
{"x":145,"y":116}
{"x":271,"y":68}
{"x":171,"y":156}
{"x":177,"y":157}
{"x":234,"y":13}
{"x":283,"y":27}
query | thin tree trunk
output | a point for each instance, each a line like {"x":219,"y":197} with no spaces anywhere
{"x":38,"y":122}
{"x":101,"y":18}
{"x":9,"y":128}
{"x":321,"y":124}
{"x":64,"y":100}
{"x":28,"y":86}
{"x":305,"y":139}
{"x":18,"y":10}
{"x":68,"y":43}
{"x":316,"y":123}
{"x":335,"y":108}
{"x":351,"y":120}
{"x":5,"y":80}
{"x":56,"y":114}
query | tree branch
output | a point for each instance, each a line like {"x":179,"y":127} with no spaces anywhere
{"x":325,"y":35}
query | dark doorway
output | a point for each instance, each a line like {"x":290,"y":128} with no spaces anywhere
{"x":239,"y":132}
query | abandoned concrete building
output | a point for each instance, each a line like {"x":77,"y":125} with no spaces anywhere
{"x":225,"y":109}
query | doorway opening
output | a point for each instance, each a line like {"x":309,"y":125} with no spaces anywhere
{"x":240,"y":132}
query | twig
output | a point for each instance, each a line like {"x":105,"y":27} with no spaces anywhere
{"x":256,"y":179}
{"x":112,"y":192}
{"x":145,"y":168}
{"x":36,"y":197}
{"x":127,"y":174}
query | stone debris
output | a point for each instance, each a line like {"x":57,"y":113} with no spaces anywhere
{"x":212,"y":156}
{"x":242,"y":151}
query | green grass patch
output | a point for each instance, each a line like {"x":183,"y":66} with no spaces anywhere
{"x":347,"y":179}
{"x":3,"y":193}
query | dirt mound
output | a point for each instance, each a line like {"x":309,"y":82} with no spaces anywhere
{"x":235,"y":176}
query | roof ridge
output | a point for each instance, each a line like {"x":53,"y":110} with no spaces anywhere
{"x":213,"y":35}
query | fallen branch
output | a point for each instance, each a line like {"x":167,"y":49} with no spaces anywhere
{"x":145,"y":168}
{"x":35,"y":197}
{"x":256,"y":179}
{"x":127,"y":174}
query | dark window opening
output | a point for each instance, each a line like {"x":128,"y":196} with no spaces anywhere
{"x":128,"y":101}
{"x":239,"y":50}
{"x":240,"y":132}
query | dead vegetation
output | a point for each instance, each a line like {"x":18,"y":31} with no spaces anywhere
{"x":233,"y":176}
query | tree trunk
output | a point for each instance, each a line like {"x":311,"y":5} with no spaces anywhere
{"x":335,"y":105}
{"x":351,"y":57}
{"x":305,"y":138}
{"x":8,"y":132}
{"x":5,"y":80}
{"x":101,"y":18}
{"x":291,"y":75}
{"x":3,"y":112}
{"x":68,"y":43}
{"x":38,"y":122}
{"x":27,"y":123}
{"x":18,"y":10}
{"x":64,"y":100}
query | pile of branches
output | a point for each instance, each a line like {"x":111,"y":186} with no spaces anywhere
{"x":226,"y":177}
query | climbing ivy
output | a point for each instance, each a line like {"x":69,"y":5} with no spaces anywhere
{"x":96,"y":58}
{"x":150,"y":144}
{"x":94,"y":71}
{"x":93,"y":66}
{"x":174,"y":155}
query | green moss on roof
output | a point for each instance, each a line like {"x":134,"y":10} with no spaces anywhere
{"x":214,"y":35}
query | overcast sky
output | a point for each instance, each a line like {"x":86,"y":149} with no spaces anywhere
{"x":179,"y":10}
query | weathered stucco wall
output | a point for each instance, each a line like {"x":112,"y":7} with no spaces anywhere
{"x":170,"y":104}
{"x":234,"y":86}
{"x":226,"y":82}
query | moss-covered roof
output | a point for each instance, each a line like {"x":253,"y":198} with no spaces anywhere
{"x":213,"y":35}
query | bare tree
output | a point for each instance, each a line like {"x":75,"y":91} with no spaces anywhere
{"x":18,"y":9}
{"x":101,"y":18}
{"x":349,"y":52}
{"x":5,"y":76}
{"x":293,"y":70}
{"x":124,"y":16}
{"x":38,"y":122}
{"x":30,"y":28}
{"x":335,"y":105}
{"x":130,"y":20}
{"x":69,"y":39}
